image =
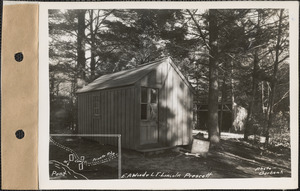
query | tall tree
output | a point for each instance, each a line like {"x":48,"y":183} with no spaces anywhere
{"x":211,"y":47}
{"x":274,"y":76}
{"x":81,"y":44}
{"x":256,"y":46}
{"x":213,"y":95}
{"x":92,"y":43}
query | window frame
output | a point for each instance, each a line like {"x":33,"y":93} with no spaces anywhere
{"x":148,"y":101}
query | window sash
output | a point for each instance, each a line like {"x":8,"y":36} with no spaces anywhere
{"x":148,"y":96}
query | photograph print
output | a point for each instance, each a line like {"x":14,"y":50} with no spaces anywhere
{"x":169,"y":94}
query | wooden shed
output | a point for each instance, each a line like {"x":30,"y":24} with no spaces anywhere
{"x":150,"y":106}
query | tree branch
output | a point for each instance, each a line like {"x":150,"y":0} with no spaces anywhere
{"x":199,"y":29}
{"x":284,"y":96}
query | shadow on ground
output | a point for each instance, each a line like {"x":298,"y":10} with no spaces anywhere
{"x":234,"y":159}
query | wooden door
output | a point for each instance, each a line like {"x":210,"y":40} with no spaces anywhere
{"x":149,"y":116}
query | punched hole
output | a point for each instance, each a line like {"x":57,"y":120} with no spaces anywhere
{"x":20,"y":134}
{"x":19,"y":56}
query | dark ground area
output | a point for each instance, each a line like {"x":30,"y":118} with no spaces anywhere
{"x":234,"y":159}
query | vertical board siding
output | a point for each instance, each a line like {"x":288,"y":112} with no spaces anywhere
{"x":184,"y":117}
{"x":162,"y":105}
{"x":123,"y":111}
{"x":169,"y":106}
{"x":106,"y":123}
{"x":102,"y":108}
{"x":165,"y":74}
{"x":92,"y":116}
{"x":87,"y":108}
{"x":131,"y":124}
{"x":178,"y":108}
{"x":97,"y":118}
{"x":120,"y":111}
{"x":79,"y":116}
{"x":108,"y":116}
{"x":189,"y":130}
{"x":90,"y":113}
{"x":88,"y":126}
{"x":100,"y":127}
{"x":191,"y":114}
{"x":125,"y":137}
{"x":120,"y":116}
{"x":137,"y":115}
{"x":188,"y":116}
{"x":85,"y":113}
{"x":79,"y":99}
{"x":112,"y":116}
{"x":131,"y":118}
{"x":117,"y":116}
{"x":175,"y":110}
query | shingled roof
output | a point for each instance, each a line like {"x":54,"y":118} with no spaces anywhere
{"x":122,"y":78}
{"x":128,"y":77}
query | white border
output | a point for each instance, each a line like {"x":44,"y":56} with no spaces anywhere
{"x":245,"y":183}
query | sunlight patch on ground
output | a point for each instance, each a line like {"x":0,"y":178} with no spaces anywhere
{"x":224,"y":135}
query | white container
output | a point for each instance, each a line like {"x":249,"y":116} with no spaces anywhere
{"x":200,"y":146}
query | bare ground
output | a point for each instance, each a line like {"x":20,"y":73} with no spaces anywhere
{"x":233,"y":159}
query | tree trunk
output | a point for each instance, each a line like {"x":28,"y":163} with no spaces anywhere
{"x":80,"y":73}
{"x":254,"y":81}
{"x":81,"y":45}
{"x":262,"y":98}
{"x":268,"y":104}
{"x":213,"y":126}
{"x":253,"y":95}
{"x":233,"y":105}
{"x":93,"y":47}
{"x":223,"y":100}
{"x":274,"y":78}
{"x":73,"y":109}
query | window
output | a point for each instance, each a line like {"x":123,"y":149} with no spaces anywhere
{"x":153,"y":95}
{"x":96,"y":106}
{"x":144,"y":111}
{"x":149,"y":100}
{"x":144,"y":95}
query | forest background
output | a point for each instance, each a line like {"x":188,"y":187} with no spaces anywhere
{"x":241,"y":55}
